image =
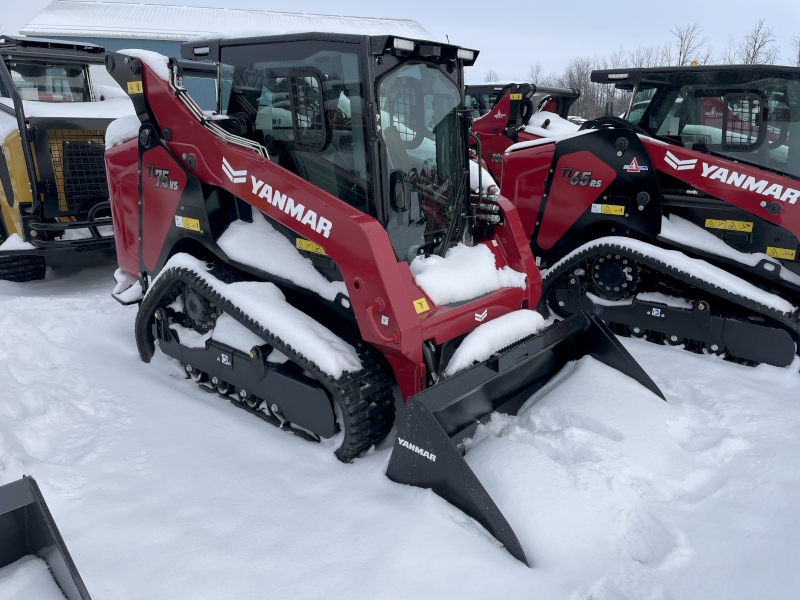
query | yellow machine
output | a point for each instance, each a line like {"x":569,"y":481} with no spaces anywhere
{"x":53,"y":188}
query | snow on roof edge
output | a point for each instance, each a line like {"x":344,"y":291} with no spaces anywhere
{"x":146,"y":21}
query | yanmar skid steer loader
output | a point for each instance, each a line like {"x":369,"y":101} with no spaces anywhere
{"x":520,"y":112}
{"x":53,"y":190}
{"x":679,"y":223}
{"x":277,"y":245}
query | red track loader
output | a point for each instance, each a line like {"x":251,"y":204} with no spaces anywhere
{"x":679,"y":223}
{"x":483,"y":97}
{"x":276,"y":242}
{"x":521,"y":112}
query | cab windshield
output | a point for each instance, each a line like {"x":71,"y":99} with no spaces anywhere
{"x":420,"y":127}
{"x":49,"y":82}
{"x":761,"y":118}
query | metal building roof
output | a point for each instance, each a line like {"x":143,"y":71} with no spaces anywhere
{"x":163,"y":22}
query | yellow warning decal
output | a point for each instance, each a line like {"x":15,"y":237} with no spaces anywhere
{"x":783,"y":253}
{"x":609,"y":209}
{"x":135,"y":87}
{"x":309,"y":246}
{"x":187,"y":223}
{"x":516,"y":96}
{"x":421,"y":306}
{"x":729,"y":225}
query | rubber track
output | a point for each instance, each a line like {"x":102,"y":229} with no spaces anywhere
{"x":365,"y":398}
{"x":22,"y":267}
{"x":791,"y":322}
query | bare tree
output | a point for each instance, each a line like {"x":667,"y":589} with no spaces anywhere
{"x":536,"y":73}
{"x":690,"y":45}
{"x":665,"y":56}
{"x":758,"y":46}
{"x":730,"y":54}
{"x":795,"y":52}
{"x":646,"y":56}
{"x":491,"y":76}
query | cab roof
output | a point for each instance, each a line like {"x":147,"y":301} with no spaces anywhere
{"x":627,"y":79}
{"x":209,"y":49}
{"x":18,"y":47}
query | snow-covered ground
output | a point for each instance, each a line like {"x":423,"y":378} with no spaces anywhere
{"x":163,"y":491}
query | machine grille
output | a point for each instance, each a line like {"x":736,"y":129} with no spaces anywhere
{"x":78,"y":166}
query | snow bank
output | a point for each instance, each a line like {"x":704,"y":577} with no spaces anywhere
{"x":108,"y":109}
{"x":14,"y":242}
{"x":121,"y":130}
{"x":157,"y":62}
{"x":488,"y":338}
{"x":261,"y":246}
{"x":556,"y":127}
{"x":686,"y":233}
{"x":29,"y":578}
{"x":463,"y":274}
{"x":266,"y":305}
{"x":486,"y":177}
{"x":613,"y":493}
{"x":692,"y":266}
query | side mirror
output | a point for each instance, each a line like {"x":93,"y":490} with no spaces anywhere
{"x":743,"y":127}
{"x":400,"y":191}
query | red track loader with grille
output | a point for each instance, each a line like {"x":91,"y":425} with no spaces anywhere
{"x":280,"y":246}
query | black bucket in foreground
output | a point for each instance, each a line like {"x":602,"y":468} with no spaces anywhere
{"x":27,"y":527}
{"x":428,"y":451}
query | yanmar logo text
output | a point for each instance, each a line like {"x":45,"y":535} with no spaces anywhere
{"x":280,"y":201}
{"x":417,"y":449}
{"x":290,"y":207}
{"x":750,"y":183}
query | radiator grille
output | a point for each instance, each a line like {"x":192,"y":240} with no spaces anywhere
{"x":78,"y":166}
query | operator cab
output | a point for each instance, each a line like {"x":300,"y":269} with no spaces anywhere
{"x":376,"y":121}
{"x":747,"y":113}
{"x":481,"y":98}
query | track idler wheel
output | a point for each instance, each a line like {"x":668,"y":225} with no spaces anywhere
{"x":613,"y":276}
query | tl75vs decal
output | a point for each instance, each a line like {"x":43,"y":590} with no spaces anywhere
{"x":162,"y":178}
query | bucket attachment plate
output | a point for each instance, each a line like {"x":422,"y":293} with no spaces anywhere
{"x":431,"y":429}
{"x":27,"y":527}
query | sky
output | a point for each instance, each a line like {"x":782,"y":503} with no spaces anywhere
{"x":512,"y":35}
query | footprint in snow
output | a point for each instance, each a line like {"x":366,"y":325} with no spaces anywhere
{"x":645,"y":539}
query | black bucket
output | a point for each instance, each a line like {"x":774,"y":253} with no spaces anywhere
{"x":27,"y":527}
{"x":431,"y":429}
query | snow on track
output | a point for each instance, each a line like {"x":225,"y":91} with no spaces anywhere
{"x":265,"y":304}
{"x":692,"y":266}
{"x":163,"y":491}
